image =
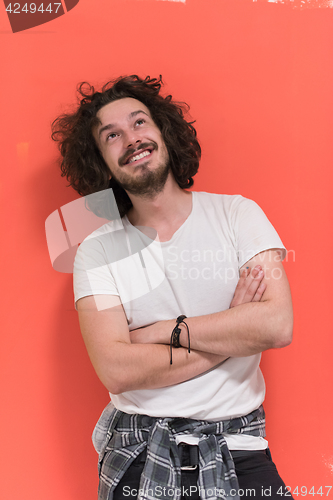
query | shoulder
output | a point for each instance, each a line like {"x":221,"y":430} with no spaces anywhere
{"x":94,"y":247}
{"x":218,"y":197}
{"x":225,"y":203}
{"x":235,"y":212}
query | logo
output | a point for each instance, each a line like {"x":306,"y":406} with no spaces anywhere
{"x":25,"y":15}
{"x":93,"y":222}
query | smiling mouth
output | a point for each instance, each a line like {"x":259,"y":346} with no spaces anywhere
{"x":139,"y":156}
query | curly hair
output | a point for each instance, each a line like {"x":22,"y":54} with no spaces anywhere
{"x":82,"y":163}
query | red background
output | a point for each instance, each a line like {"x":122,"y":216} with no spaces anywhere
{"x":259,"y":79}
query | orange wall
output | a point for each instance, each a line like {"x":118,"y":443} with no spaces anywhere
{"x":259,"y":79}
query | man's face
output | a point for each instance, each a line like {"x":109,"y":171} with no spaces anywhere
{"x":132,"y":147}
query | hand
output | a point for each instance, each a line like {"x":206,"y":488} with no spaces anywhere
{"x":249,"y":287}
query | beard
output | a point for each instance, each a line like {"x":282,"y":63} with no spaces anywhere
{"x":148,"y":183}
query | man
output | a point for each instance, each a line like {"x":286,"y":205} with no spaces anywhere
{"x":180,"y":360}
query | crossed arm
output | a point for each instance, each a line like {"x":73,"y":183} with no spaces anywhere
{"x":260,"y":317}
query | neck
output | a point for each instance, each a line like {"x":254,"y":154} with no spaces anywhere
{"x":164,"y":211}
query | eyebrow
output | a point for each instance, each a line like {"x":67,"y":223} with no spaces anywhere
{"x":112,"y":125}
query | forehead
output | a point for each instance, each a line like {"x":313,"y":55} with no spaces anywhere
{"x":119,"y":110}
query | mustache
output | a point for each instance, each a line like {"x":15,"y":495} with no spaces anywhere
{"x":145,"y":145}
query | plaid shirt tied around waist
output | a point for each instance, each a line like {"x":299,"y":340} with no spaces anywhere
{"x":120,"y":437}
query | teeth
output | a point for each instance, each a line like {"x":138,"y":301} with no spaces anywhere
{"x":138,"y":157}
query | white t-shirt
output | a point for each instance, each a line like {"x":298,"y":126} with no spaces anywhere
{"x":195,"y":273}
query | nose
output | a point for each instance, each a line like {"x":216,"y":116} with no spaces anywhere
{"x":132,"y":140}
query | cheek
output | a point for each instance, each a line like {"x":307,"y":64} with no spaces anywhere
{"x":111,"y":167}
{"x":165,"y":152}
{"x":162,"y":147}
{"x":110,"y":158}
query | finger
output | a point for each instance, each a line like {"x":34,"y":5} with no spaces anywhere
{"x":259,"y":292}
{"x":242,"y":281}
{"x":244,"y":272}
{"x":253,"y":284}
{"x":240,"y":288}
{"x":242,"y":293}
{"x":252,"y":274}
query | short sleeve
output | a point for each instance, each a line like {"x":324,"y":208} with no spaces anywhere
{"x":254,"y":233}
{"x":92,"y":274}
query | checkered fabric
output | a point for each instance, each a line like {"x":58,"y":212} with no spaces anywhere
{"x":120,"y":438}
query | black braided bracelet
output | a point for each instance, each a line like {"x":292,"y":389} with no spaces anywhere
{"x":174,"y":339}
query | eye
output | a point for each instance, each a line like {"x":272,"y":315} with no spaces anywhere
{"x":111,"y":136}
{"x":140,"y":121}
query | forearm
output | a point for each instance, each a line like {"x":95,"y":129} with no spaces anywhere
{"x":241,"y":331}
{"x":123,"y":365}
{"x":257,"y":320}
{"x":147,"y":366}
